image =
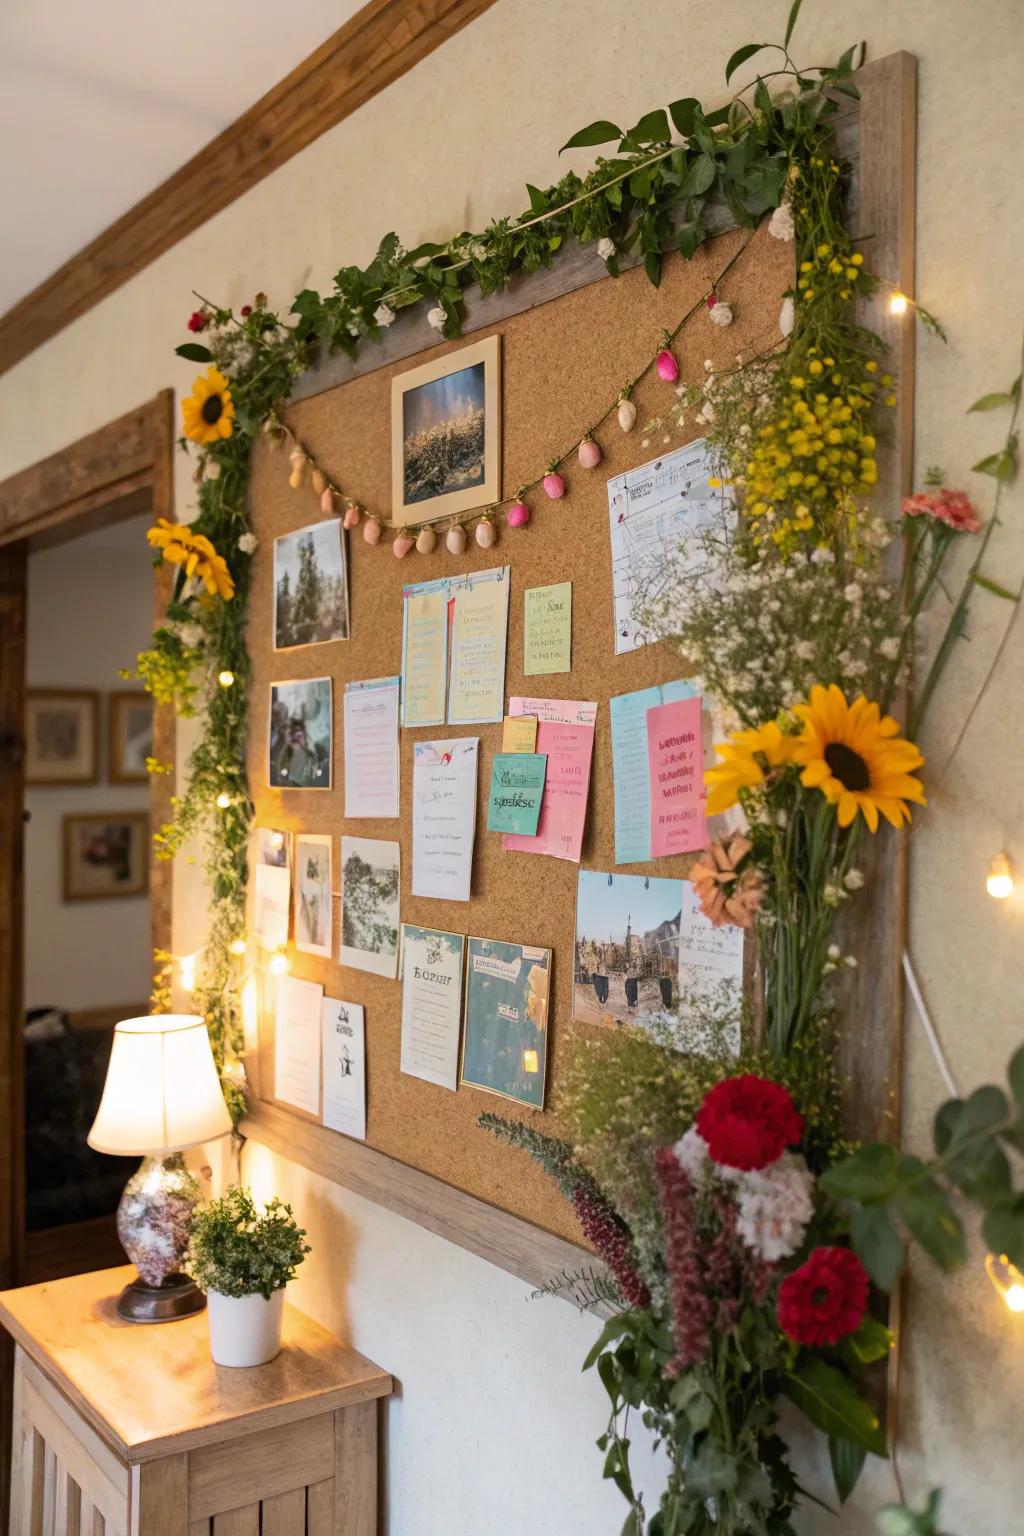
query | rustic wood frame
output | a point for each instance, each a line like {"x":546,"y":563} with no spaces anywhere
{"x":374,"y":48}
{"x":138,"y":819}
{"x":877,"y":137}
{"x":118,"y":701}
{"x":122,"y":469}
{"x":90,"y":696}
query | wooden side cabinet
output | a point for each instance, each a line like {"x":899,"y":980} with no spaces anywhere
{"x":131,"y":1430}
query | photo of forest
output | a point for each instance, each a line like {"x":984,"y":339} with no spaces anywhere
{"x":310,"y":586}
{"x":443,"y":435}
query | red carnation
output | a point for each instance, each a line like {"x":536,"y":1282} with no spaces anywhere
{"x":825,"y":1299}
{"x":198,"y":321}
{"x":748,"y":1122}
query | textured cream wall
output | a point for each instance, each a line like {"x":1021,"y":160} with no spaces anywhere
{"x":488,"y":1428}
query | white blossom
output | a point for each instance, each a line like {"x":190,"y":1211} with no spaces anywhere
{"x":853,"y":880}
{"x":248,"y":543}
{"x":478,"y":250}
{"x":384,"y":315}
{"x":852,"y":592}
{"x":211,"y":470}
{"x":191,"y":635}
{"x":890,"y":647}
{"x":804,"y":649}
{"x":436,"y":317}
{"x":823,"y":556}
{"x":692,"y":1154}
{"x":606,"y":248}
{"x":775,"y":1206}
{"x":787,"y":317}
{"x":721,"y":314}
{"x":781,"y":225}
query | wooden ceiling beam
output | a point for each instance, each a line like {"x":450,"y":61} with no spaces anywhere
{"x":376,"y":46}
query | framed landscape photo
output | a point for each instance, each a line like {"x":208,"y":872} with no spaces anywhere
{"x":106,"y":855}
{"x":446,"y":435}
{"x":310,"y":586}
{"x":301,"y":738}
{"x":62,"y":736}
{"x":130,"y":737}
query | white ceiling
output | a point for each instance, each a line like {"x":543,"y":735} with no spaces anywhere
{"x":101,"y":100}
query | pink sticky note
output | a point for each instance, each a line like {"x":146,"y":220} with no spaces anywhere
{"x":676,"y":763}
{"x":563,"y":810}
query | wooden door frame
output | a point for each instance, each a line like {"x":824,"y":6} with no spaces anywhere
{"x":124,"y":468}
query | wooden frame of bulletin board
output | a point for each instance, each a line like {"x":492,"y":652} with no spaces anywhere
{"x":424,"y":1156}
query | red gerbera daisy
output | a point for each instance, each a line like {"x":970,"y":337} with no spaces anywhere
{"x":748,"y":1121}
{"x":825,"y":1299}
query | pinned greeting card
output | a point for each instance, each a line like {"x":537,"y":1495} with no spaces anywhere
{"x":547,"y":629}
{"x":676,"y":762}
{"x":565,"y":736}
{"x":443,"y":817}
{"x":631,"y":766}
{"x":517,"y":786}
{"x":519,"y":733}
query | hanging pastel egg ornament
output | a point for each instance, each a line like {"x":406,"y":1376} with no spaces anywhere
{"x":554,"y":485}
{"x":426,"y":541}
{"x":372,"y":531}
{"x":720,"y":314}
{"x":455,"y":539}
{"x":668,"y":368}
{"x":402,"y":545}
{"x":518,"y":514}
{"x":589,"y":453}
{"x":352,"y":515}
{"x":486,"y":533}
{"x":319,"y":483}
{"x":298,"y":463}
{"x":626,"y":413}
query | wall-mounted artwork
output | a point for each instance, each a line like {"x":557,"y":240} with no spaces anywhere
{"x":627,"y":947}
{"x":310,"y":586}
{"x":130,"y":737}
{"x":504,"y":1048}
{"x":61,"y":736}
{"x":446,"y":435}
{"x":313,"y":893}
{"x":300,"y":734}
{"x":105,"y":855}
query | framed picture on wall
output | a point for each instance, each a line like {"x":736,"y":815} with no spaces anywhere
{"x":301,"y":740}
{"x":62,"y":736}
{"x":446,"y":435}
{"x":310,"y":586}
{"x":105,"y":855}
{"x":130,"y":737}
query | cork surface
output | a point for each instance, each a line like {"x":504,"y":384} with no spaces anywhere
{"x":562,"y":364}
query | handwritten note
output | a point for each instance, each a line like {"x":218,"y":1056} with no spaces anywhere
{"x":676,"y":760}
{"x":271,"y":897}
{"x":547,"y":629}
{"x":519,"y":735}
{"x":297,"y":1043}
{"x":631,"y":767}
{"x":476,"y":690}
{"x":431,"y":1004}
{"x":343,"y":1039}
{"x":424,"y":652}
{"x":517,"y":787}
{"x":371,"y":747}
{"x":706,"y":954}
{"x":565,"y":736}
{"x":444,"y":818}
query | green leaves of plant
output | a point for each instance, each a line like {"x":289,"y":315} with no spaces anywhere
{"x":741,"y":56}
{"x":993,"y":587}
{"x":998,"y":398}
{"x":826,"y":1396}
{"x":999,"y":465}
{"x":195,"y":352}
{"x":847,"y":1462}
{"x":601,"y":132}
{"x":794,"y":12}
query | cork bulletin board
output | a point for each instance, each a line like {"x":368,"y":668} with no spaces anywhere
{"x":562,"y":364}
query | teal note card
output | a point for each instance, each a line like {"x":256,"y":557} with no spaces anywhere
{"x":517,"y":788}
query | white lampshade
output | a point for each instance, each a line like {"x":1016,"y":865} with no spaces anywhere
{"x":161,"y":1094}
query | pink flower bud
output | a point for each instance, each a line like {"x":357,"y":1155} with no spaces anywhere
{"x":455,"y":540}
{"x":371,"y":531}
{"x":518,"y":514}
{"x":589,"y":453}
{"x":352,"y":516}
{"x":402,"y":545}
{"x":554,"y":485}
{"x":668,"y":368}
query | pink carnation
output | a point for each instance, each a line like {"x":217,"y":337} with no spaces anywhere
{"x":954,"y":508}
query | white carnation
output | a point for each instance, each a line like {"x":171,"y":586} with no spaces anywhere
{"x":384,"y":315}
{"x":606,"y":249}
{"x":248,"y":543}
{"x":436,"y":317}
{"x":781,"y":225}
{"x":775,"y":1206}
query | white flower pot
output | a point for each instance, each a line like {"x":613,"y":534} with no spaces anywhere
{"x":244,"y":1330}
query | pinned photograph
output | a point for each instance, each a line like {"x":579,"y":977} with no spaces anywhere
{"x":61,"y":736}
{"x":130,"y":738}
{"x":446,"y":435}
{"x":106,"y":855}
{"x":300,"y":734}
{"x":627,"y":947}
{"x":272,"y":847}
{"x":369,"y":905}
{"x":313,"y":893}
{"x":505,"y":1042}
{"x":310,"y":586}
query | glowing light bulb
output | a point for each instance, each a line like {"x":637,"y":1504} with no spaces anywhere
{"x":226,"y":678}
{"x":999,"y":881}
{"x":1007,"y":1280}
{"x":223,"y":800}
{"x":237,"y":946}
{"x":280,"y":965}
{"x":277,"y":839}
{"x":898,"y":302}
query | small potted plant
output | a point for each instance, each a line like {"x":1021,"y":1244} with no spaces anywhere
{"x":243,"y":1260}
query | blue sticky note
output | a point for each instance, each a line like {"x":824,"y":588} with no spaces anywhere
{"x":630,"y":766}
{"x":517,"y":788}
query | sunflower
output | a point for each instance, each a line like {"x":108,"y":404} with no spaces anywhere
{"x":748,"y":758}
{"x":180,"y":546}
{"x":855,"y":755}
{"x":208,"y":412}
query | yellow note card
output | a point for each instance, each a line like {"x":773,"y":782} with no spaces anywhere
{"x":547,"y":629}
{"x":519,"y":733}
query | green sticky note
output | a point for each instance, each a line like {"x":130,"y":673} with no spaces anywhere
{"x":517,"y":788}
{"x":547,"y":629}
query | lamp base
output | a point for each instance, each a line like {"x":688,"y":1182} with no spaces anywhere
{"x":178,"y":1296}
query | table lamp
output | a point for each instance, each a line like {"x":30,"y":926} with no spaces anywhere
{"x":161,"y":1096}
